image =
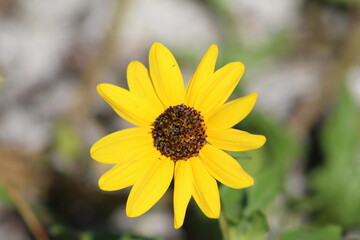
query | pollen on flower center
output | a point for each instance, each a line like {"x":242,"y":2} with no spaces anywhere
{"x":179,"y":132}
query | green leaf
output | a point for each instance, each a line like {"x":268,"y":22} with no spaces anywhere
{"x":280,"y":146}
{"x":267,"y":185}
{"x":233,"y":203}
{"x":252,"y":161}
{"x":326,"y":233}
{"x":268,"y":182}
{"x":267,"y":165}
{"x":253,"y":228}
{"x":244,"y":209}
{"x":335,"y":184}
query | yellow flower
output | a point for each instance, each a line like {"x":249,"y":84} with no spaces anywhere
{"x":180,"y":133}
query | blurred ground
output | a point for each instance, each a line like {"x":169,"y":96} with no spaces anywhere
{"x":298,"y":55}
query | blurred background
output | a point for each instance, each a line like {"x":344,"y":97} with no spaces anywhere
{"x":301,"y":56}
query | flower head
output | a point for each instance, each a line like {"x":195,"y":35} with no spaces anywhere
{"x":180,"y":133}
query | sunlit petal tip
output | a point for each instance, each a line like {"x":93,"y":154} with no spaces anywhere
{"x":231,"y":113}
{"x":210,"y":57}
{"x":99,"y":87}
{"x":179,"y":220}
{"x":251,"y":181}
{"x":135,"y":65}
{"x":131,"y":213}
{"x":253,"y":95}
{"x":132,"y":64}
{"x":177,"y":225}
{"x":262,"y":140}
{"x":213,"y":49}
{"x":102,"y":183}
{"x":252,"y":98}
{"x":103,"y":87}
{"x":247,"y":181}
{"x":105,"y":90}
{"x":239,"y":65}
{"x":208,"y":61}
{"x":92,"y":150}
{"x":106,"y":185}
{"x":158,"y":46}
{"x":94,"y":153}
{"x":235,"y":140}
{"x":227,"y":171}
{"x":236,"y":66}
{"x":214,"y":214}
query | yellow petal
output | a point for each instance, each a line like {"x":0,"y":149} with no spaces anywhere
{"x":140,"y":84}
{"x":235,"y":140}
{"x":125,"y":174}
{"x":224,"y":168}
{"x":221,"y":86}
{"x":202,"y":76}
{"x":182,"y":191}
{"x":129,"y":106}
{"x":205,"y":189}
{"x":166,"y":76}
{"x":121,"y":145}
{"x":148,"y":189}
{"x":230,"y":113}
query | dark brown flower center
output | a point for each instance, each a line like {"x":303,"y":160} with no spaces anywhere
{"x":179,"y":132}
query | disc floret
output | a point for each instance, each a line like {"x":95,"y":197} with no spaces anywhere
{"x":179,"y":132}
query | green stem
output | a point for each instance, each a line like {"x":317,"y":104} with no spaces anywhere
{"x":25,"y":211}
{"x":224,"y":227}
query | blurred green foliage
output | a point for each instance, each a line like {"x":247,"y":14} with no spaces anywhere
{"x":336,"y":183}
{"x":253,"y":57}
{"x":324,"y":233}
{"x":246,"y":210}
{"x":62,"y":233}
{"x":4,"y":197}
{"x":67,"y":141}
